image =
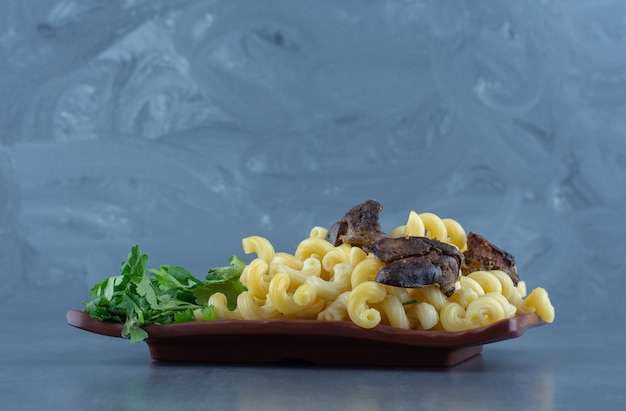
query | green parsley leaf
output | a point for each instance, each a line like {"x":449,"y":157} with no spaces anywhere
{"x":221,"y":274}
{"x":169,"y":294}
{"x":223,"y":280}
{"x":184,"y":316}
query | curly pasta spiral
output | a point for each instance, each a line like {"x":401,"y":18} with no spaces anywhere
{"x":337,"y":283}
{"x":431,"y":226}
{"x":359,"y":300}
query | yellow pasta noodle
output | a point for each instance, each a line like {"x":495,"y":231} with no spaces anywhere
{"x":499,"y":282}
{"x":456,"y":233}
{"x":468,"y":282}
{"x":340,"y":282}
{"x":430,"y":225}
{"x":426,"y":315}
{"x":434,"y":296}
{"x":311,"y":267}
{"x":487,"y":309}
{"x":337,"y":256}
{"x":356,"y":255}
{"x":337,"y":283}
{"x":464,"y":296}
{"x":256,"y":278}
{"x":452,"y":317}
{"x":313,"y":247}
{"x":487,"y":281}
{"x":260,"y":246}
{"x":336,"y":310}
{"x":364,"y":271}
{"x":283,"y":300}
{"x":318,"y":232}
{"x":219,"y":303}
{"x":394,"y":313}
{"x":252,"y":308}
{"x":359,"y":301}
{"x":285,"y":260}
{"x":537,"y":301}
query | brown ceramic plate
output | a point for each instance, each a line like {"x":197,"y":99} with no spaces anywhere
{"x":317,"y":342}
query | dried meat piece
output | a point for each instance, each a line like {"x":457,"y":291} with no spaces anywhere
{"x":411,"y":272}
{"x":336,"y":231}
{"x":359,"y":226}
{"x":483,"y":255}
{"x":410,"y":262}
{"x":414,"y":262}
{"x":390,"y":249}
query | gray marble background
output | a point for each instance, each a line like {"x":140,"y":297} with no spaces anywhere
{"x":185,"y":125}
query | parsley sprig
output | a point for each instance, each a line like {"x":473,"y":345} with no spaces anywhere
{"x":169,"y":294}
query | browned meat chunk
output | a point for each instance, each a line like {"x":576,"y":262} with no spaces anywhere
{"x":390,"y":249}
{"x":414,"y":262}
{"x":336,"y":231}
{"x":359,"y":225}
{"x":482,"y":255}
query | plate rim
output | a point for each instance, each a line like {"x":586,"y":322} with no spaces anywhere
{"x":498,"y":331}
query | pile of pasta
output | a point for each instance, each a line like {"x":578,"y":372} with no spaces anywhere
{"x":321,"y":281}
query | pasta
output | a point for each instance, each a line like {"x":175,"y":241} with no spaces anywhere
{"x":431,"y":226}
{"x":320,"y":281}
{"x":359,"y":299}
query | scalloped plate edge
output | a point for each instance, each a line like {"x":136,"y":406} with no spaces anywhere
{"x":317,"y":342}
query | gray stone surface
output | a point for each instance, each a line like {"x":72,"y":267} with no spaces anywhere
{"x":184,"y":126}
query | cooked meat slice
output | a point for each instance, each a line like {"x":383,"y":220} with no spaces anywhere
{"x":483,"y":255}
{"x":415,"y":272}
{"x":414,"y":262}
{"x":359,"y":225}
{"x":390,"y":249}
{"x":411,"y":262}
{"x":411,"y":272}
{"x":336,"y":231}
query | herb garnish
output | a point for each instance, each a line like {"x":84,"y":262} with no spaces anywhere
{"x":170,"y":294}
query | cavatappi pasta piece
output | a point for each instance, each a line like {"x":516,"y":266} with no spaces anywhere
{"x":336,"y":310}
{"x":256,"y":278}
{"x":393,"y":312}
{"x":402,"y":294}
{"x":284,"y":260}
{"x":456,"y":233}
{"x":487,"y":309}
{"x":435,"y":228}
{"x":426,"y":315}
{"x":487,"y":281}
{"x":219,"y":303}
{"x":311,"y":267}
{"x":311,"y":311}
{"x":356,"y":256}
{"x":467,"y":282}
{"x":252,"y":308}
{"x":318,"y":232}
{"x":259,"y":246}
{"x":337,"y":283}
{"x":464,"y":296}
{"x":359,"y":301}
{"x":340,"y":255}
{"x":313,"y":247}
{"x":433,"y":295}
{"x":538,"y":301}
{"x":283,"y":300}
{"x":431,"y":226}
{"x":343,"y":253}
{"x":364,"y":271}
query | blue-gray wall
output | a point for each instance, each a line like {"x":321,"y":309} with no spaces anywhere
{"x":184,"y":126}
